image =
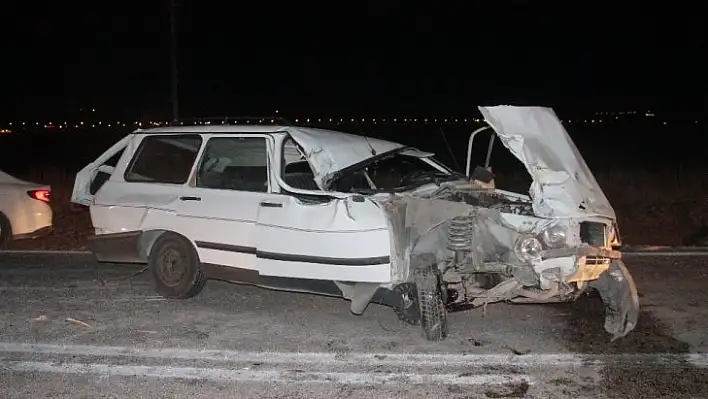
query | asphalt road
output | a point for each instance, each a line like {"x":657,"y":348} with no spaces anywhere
{"x":243,"y":342}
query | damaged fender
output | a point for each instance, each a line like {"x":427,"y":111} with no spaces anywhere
{"x":619,"y":294}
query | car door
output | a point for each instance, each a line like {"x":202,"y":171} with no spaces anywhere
{"x":218,"y":208}
{"x":139,"y":193}
{"x":94,"y":175}
{"x":315,"y":235}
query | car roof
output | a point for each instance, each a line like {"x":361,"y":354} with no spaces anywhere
{"x":255,"y":129}
{"x":328,"y":151}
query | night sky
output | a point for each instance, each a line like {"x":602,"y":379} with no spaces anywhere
{"x":384,"y":58}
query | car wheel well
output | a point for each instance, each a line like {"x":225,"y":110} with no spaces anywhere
{"x":149,"y":237}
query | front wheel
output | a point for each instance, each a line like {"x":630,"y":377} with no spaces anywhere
{"x":433,"y":315}
{"x":407,"y":310}
{"x":175,"y":267}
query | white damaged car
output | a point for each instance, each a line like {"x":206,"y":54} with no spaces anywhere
{"x":369,"y":220}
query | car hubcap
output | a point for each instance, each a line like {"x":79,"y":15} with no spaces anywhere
{"x":171,"y":267}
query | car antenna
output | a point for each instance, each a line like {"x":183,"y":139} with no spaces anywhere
{"x":361,"y":132}
{"x":449,"y":149}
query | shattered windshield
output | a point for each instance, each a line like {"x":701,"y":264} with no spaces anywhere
{"x":396,"y":172}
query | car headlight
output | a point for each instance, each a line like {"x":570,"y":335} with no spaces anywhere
{"x":528,"y":249}
{"x":554,"y":237}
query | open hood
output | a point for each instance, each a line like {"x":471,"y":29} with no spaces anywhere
{"x":563,"y":185}
{"x":328,"y":152}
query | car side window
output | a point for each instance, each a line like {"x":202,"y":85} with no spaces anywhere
{"x":164,"y":158}
{"x":234,"y":163}
{"x":113,"y":161}
{"x":102,"y":176}
{"x":296,"y":171}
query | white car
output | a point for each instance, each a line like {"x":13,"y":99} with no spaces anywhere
{"x":24,"y":209}
{"x":368,"y":220}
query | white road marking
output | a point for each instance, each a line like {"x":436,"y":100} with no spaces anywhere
{"x":365,"y":359}
{"x":265,"y":375}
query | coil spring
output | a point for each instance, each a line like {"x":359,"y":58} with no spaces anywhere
{"x":459,"y":233}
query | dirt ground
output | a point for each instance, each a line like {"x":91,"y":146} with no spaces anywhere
{"x":75,"y":328}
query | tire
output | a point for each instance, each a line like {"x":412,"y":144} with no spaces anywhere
{"x":5,"y":231}
{"x":433,"y":315}
{"x":175,"y":267}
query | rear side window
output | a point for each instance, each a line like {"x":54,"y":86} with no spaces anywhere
{"x":164,"y":159}
{"x":113,"y":161}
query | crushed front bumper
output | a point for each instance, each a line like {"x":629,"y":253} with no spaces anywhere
{"x":621,"y":299}
{"x":604,"y":270}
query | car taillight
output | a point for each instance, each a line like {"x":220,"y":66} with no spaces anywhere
{"x":41,"y":195}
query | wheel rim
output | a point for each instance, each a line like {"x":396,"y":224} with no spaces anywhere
{"x":409,"y":311}
{"x":171,"y":266}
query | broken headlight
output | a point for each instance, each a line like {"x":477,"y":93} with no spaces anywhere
{"x":528,"y":248}
{"x":554,"y":237}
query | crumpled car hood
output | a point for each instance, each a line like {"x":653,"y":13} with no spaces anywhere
{"x":563,"y":185}
{"x":328,"y":152}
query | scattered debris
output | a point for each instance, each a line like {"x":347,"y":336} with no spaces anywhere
{"x":41,"y":318}
{"x":126,"y":277}
{"x":79,"y":322}
{"x":518,"y":352}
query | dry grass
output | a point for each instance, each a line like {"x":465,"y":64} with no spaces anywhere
{"x":652,"y":208}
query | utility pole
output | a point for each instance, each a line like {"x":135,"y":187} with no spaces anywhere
{"x":173,"y":58}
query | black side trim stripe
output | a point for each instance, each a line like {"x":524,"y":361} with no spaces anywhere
{"x":225,"y":247}
{"x":377,"y":260}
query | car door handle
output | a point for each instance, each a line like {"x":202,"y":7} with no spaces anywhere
{"x":190,"y":198}
{"x":271,"y":205}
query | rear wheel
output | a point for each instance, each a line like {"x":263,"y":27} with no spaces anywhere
{"x":175,"y":267}
{"x":433,"y":315}
{"x":5,"y":231}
